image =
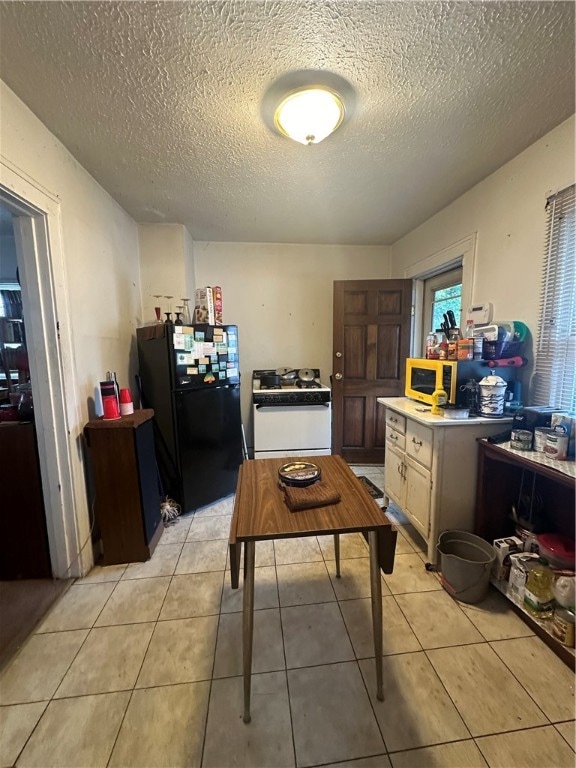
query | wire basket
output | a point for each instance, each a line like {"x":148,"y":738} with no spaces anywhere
{"x":498,"y":350}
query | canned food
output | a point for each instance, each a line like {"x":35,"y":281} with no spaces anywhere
{"x":557,"y":444}
{"x":540,"y":437}
{"x":521,"y":439}
{"x":563,"y":626}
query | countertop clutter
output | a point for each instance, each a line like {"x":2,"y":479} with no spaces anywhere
{"x":422,"y":414}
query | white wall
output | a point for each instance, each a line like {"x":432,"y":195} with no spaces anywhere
{"x":167,"y":267}
{"x":280,"y":296}
{"x":102,"y":273}
{"x":506,"y":210}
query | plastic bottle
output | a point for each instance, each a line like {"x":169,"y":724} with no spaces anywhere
{"x":453,"y":338}
{"x":466,"y":345}
{"x":442,"y":344}
{"x":439,"y":398}
{"x":431,"y":346}
{"x":538,"y":596}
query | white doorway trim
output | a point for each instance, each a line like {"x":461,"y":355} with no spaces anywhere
{"x":37,"y":230}
{"x":461,"y":253}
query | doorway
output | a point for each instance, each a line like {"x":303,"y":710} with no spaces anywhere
{"x":57,"y":412}
{"x":371,"y":337}
{"x":27,"y":589}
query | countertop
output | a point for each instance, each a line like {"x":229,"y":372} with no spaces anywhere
{"x":421,"y":413}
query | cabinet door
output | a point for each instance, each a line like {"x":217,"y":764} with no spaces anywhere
{"x":418,"y":495}
{"x":394,"y":482}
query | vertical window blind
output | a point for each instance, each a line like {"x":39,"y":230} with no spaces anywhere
{"x":554,"y":376}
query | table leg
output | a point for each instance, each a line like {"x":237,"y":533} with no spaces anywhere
{"x":248,"y":623}
{"x":376,"y":594}
{"x":337,"y":553}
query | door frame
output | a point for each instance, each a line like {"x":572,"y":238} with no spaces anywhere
{"x":460,"y":254}
{"x":37,"y":229}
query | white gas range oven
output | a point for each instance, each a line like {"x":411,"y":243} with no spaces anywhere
{"x":292,"y":417}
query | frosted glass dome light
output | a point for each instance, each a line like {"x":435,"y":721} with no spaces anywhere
{"x":309,"y":115}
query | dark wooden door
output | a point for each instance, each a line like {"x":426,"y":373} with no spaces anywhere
{"x":371,"y":342}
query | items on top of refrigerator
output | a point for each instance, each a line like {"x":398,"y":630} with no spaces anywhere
{"x":208,"y":307}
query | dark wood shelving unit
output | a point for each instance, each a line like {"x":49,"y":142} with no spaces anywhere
{"x":127,"y":501}
{"x":502,"y":473}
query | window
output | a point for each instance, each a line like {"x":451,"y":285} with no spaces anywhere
{"x":554,"y":377}
{"x":441,"y":293}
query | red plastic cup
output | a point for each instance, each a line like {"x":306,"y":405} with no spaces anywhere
{"x":111,"y":410}
{"x":126,"y":405}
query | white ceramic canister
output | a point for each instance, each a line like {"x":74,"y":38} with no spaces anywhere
{"x":492,"y":395}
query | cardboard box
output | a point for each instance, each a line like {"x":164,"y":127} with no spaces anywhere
{"x":217,"y":295}
{"x":204,"y":306}
{"x":520,"y":564}
{"x":504,"y":548}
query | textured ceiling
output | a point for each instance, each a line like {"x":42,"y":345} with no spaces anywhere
{"x":161,"y":103}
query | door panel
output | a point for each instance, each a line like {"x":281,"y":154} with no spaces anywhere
{"x":354,"y":420}
{"x":354,"y":352}
{"x":371,"y":342}
{"x":388,"y":350}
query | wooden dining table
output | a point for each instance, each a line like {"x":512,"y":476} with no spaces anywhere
{"x":261,"y":513}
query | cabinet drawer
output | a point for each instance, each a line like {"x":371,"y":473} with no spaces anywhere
{"x":396,"y":421}
{"x":419,"y":442}
{"x":395,"y":438}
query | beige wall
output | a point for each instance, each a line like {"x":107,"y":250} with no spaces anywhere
{"x":100,"y":276}
{"x":506,"y":211}
{"x":167,"y":267}
{"x":280,"y":296}
{"x":100,"y":243}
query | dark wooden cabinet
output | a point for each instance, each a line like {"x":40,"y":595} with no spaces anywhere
{"x":508,"y":478}
{"x":127,"y":498}
{"x":24,"y":551}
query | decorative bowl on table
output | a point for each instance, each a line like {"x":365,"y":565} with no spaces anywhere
{"x":299,"y":473}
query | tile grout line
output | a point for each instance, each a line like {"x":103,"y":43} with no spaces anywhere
{"x":286,"y":677}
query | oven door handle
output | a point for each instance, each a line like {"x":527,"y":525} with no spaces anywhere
{"x":259,"y":406}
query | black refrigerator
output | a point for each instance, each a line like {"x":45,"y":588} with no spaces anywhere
{"x":190,"y":376}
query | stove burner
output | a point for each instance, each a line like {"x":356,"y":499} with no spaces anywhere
{"x":307,"y":384}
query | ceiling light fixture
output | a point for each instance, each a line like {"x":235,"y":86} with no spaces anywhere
{"x":308,"y":115}
{"x":307,"y":105}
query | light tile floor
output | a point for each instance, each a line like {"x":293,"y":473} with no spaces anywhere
{"x":140,"y":665}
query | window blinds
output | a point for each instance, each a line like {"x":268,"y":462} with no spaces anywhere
{"x":554,"y":376}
